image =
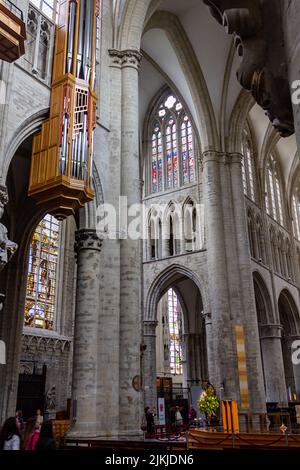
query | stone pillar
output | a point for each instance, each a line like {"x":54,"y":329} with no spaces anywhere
{"x":243,"y":305}
{"x":224,"y":367}
{"x":198,"y":358}
{"x":84,"y":387}
{"x":130,"y":251}
{"x":165,"y":240}
{"x":209,"y":343}
{"x":296,"y":367}
{"x":275,"y":386}
{"x":149,"y":364}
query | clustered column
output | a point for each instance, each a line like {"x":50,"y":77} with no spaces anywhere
{"x":130,"y":249}
{"x":270,"y":338}
{"x":149,"y":363}
{"x":223,"y":365}
{"x":84,"y":389}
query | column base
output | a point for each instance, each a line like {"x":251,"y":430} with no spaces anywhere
{"x":90,"y":431}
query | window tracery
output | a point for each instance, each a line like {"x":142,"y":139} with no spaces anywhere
{"x":42,"y":275}
{"x":172,"y":147}
{"x":274,"y":204}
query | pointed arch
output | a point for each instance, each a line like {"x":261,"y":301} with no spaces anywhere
{"x":187,"y":58}
{"x":165,"y":280}
{"x":288,"y":313}
{"x":264,"y":308}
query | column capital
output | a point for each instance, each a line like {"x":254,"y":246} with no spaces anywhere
{"x":270,"y":331}
{"x":235,"y":157}
{"x":149,"y":327}
{"x":127,"y":58}
{"x":87,"y":239}
{"x":212,"y":156}
{"x":221,"y":157}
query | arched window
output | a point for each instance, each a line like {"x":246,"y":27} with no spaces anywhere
{"x":289,"y":261}
{"x":274,"y":248}
{"x":172,"y":147}
{"x":261,"y":240}
{"x":157,"y":160}
{"x":248,"y":168}
{"x":274,"y":205}
{"x":251,"y":234}
{"x":190,"y":226}
{"x":296,"y":213}
{"x":175,"y":330}
{"x":42,"y":275}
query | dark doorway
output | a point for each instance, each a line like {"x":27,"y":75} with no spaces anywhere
{"x":31,"y":392}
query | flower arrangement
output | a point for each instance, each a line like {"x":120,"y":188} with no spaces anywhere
{"x":208,"y":402}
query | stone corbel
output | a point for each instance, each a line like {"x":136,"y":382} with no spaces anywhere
{"x":258,"y":36}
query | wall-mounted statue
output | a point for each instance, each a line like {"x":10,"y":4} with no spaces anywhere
{"x":6,"y":245}
{"x":258,"y":35}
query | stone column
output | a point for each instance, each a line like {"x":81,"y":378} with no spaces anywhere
{"x":224,"y":366}
{"x":165,"y":240}
{"x":198,"y":358}
{"x":149,"y":364}
{"x":242,"y":290}
{"x":130,"y":251}
{"x":84,"y":387}
{"x":209,"y":343}
{"x":296,"y":367}
{"x":275,"y":386}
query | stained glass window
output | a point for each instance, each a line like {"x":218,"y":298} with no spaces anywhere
{"x":42,"y":275}
{"x":175,"y":330}
{"x":296,"y":213}
{"x":157,"y":160}
{"x":187,"y":152}
{"x":173,"y":150}
{"x":274,"y":206}
{"x":248,"y":168}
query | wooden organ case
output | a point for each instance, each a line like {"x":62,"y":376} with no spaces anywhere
{"x":61,"y":166}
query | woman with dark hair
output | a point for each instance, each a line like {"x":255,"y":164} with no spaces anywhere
{"x":9,"y":436}
{"x":46,"y":440}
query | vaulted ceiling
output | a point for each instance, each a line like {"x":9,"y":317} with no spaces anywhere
{"x":181,"y":40}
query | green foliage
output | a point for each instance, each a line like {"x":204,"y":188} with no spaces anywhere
{"x":208,"y":402}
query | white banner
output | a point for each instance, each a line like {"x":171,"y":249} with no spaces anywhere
{"x":161,"y":411}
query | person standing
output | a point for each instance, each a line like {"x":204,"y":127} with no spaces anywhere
{"x":46,"y":440}
{"x":149,"y":420}
{"x":10,"y":435}
{"x":178,"y":417}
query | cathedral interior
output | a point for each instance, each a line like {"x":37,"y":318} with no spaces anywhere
{"x":150,"y":204}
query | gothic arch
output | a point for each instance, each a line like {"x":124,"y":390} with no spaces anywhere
{"x":187,"y":59}
{"x":288,"y":312}
{"x":165,"y":280}
{"x":27,"y":129}
{"x":265,"y":311}
{"x":238,"y":119}
{"x":132,"y":24}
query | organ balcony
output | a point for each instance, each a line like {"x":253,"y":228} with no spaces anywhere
{"x":62,"y":156}
{"x":12,"y":31}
